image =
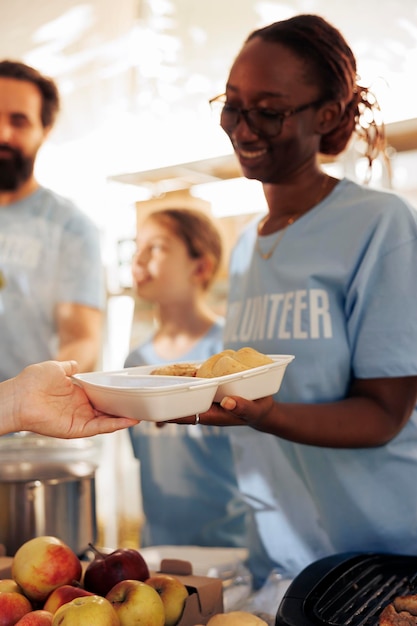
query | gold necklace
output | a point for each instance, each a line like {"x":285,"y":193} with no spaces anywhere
{"x":267,"y":255}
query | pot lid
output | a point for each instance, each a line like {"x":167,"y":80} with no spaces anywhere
{"x":27,"y":446}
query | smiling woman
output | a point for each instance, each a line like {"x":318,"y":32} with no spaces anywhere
{"x":319,"y":276}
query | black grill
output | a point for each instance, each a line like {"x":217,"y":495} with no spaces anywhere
{"x":347,"y":590}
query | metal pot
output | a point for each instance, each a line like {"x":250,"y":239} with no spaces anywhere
{"x":47,"y":498}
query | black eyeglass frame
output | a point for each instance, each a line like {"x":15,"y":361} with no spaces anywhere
{"x":245,"y":113}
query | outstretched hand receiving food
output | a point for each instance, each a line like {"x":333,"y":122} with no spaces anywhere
{"x":233,"y":411}
{"x":43,"y":398}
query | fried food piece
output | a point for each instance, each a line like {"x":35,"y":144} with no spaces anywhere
{"x":390,"y":617}
{"x":231,"y":362}
{"x":176,"y":369}
{"x":406,"y":603}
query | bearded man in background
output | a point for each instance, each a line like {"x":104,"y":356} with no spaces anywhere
{"x":51,"y":274}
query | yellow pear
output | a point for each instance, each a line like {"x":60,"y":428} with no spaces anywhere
{"x":236,"y":618}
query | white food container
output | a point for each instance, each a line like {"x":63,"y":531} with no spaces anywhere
{"x":136,"y":392}
{"x":147,"y":397}
{"x":257,"y":382}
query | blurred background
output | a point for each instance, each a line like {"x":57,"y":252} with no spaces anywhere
{"x":136,"y":132}
{"x":135,"y":78}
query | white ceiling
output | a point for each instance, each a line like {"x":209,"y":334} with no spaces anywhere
{"x":135,"y":75}
{"x":141,"y":52}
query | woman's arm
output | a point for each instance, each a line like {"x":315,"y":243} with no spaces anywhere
{"x":374,"y":411}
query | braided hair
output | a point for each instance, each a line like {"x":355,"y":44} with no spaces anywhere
{"x":331,"y":64}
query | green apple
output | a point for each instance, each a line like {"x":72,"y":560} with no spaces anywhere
{"x":89,"y":610}
{"x":173,"y":595}
{"x":8,"y":584}
{"x":236,"y":618}
{"x":42,"y":564}
{"x":39,"y":617}
{"x":137,"y":604}
{"x":13,"y":606}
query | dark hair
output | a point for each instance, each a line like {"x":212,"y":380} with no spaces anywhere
{"x":198,"y":232}
{"x":331,"y":64}
{"x":46,"y":86}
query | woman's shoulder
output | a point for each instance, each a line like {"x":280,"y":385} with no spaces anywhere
{"x":377,"y":199}
{"x":367,"y":215}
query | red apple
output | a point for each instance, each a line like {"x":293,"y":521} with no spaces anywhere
{"x":173,"y":595}
{"x":137,"y":603}
{"x":42,"y":564}
{"x":88,"y":610}
{"x":36,"y":618}
{"x":62,"y":595}
{"x":108,"y":569}
{"x":13,"y":606}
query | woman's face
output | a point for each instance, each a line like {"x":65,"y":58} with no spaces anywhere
{"x":162,"y":269}
{"x":269,"y":76}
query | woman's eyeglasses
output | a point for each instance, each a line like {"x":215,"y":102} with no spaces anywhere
{"x":263,"y":121}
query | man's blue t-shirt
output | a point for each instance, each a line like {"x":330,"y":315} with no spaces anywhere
{"x":49,"y":253}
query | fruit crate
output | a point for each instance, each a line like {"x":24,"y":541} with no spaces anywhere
{"x":205,"y":597}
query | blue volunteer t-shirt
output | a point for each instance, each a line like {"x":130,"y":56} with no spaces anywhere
{"x":49,"y":253}
{"x":339,"y":293}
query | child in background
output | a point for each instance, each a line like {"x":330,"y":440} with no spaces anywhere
{"x":189,"y":491}
{"x":178,"y":255}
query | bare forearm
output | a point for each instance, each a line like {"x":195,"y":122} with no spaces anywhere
{"x":80,"y":331}
{"x":374,"y":412}
{"x":350,"y":423}
{"x":85,"y":351}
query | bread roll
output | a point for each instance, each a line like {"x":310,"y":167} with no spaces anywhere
{"x":206,"y":368}
{"x":252,"y":358}
{"x":231,"y":362}
{"x":221,"y":364}
{"x":228,"y":365}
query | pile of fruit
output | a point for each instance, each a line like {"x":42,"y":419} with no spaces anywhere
{"x":116,"y":589}
{"x":48,"y":587}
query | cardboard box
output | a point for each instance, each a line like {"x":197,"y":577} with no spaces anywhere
{"x":205,"y":594}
